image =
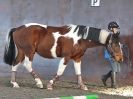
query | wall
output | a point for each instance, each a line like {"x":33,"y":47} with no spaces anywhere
{"x":59,"y":12}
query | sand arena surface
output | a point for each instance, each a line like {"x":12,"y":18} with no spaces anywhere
{"x":126,"y":91}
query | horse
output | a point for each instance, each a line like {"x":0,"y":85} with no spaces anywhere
{"x":68,"y":42}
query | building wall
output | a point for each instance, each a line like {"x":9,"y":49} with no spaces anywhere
{"x":14,"y":13}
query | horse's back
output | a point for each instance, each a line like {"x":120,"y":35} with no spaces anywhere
{"x":49,"y":42}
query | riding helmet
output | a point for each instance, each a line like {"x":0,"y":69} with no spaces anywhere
{"x":113,"y":24}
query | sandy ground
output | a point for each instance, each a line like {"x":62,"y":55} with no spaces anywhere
{"x":67,"y":85}
{"x":28,"y":89}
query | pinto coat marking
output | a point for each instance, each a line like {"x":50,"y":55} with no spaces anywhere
{"x":67,"y":42}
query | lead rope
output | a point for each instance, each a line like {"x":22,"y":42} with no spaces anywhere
{"x":128,"y":57}
{"x":126,"y":54}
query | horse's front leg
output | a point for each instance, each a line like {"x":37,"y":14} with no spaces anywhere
{"x":60,"y":71}
{"x":28,"y":65}
{"x":77,"y":66}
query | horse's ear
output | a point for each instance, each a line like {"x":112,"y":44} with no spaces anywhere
{"x":116,"y":36}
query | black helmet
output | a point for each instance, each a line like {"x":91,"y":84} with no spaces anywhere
{"x":112,"y":25}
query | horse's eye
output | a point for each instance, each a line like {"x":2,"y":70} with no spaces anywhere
{"x":113,"y":44}
{"x":117,"y":45}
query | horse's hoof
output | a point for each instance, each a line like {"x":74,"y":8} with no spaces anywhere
{"x":39,"y":86}
{"x":83,"y":87}
{"x":15,"y":84}
{"x":49,"y":86}
{"x":38,"y":83}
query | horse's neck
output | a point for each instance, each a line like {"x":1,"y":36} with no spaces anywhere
{"x":96,"y":35}
{"x":90,"y":44}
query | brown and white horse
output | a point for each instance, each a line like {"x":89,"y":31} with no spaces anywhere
{"x":67,"y":42}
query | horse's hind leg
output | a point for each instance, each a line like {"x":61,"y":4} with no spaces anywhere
{"x":13,"y":76}
{"x":28,"y":65}
{"x":77,"y":66}
{"x":17,"y":62}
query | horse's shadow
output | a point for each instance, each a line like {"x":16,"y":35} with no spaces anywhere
{"x":30,"y":83}
{"x":74,"y":85}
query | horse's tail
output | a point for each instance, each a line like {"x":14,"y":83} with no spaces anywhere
{"x":10,"y":52}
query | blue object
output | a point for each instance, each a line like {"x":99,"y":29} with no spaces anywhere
{"x":106,"y":54}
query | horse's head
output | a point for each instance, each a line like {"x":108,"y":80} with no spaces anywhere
{"x":114,"y":46}
{"x":115,"y":49}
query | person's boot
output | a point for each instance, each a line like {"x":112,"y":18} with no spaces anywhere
{"x":105,"y":77}
{"x":113,"y":80}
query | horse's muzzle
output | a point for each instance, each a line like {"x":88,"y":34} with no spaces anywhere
{"x":119,"y":58}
